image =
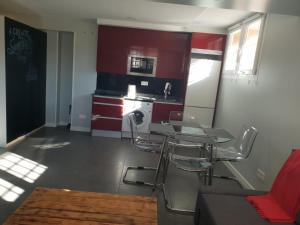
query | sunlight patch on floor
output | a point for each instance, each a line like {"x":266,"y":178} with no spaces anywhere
{"x":21,"y":167}
{"x":52,"y":146}
{"x":8,"y":191}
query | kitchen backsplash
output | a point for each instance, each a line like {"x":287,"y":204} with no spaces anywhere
{"x":119,"y":83}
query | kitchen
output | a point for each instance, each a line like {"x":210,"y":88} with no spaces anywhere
{"x":153,"y":73}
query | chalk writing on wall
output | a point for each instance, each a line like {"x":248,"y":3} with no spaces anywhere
{"x":20,"y":45}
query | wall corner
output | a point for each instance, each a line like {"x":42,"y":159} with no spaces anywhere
{"x":3,"y":128}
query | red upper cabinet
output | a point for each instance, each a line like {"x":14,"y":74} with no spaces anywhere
{"x":115,"y":44}
{"x":208,"y":41}
{"x":111,"y":52}
{"x":173,"y":58}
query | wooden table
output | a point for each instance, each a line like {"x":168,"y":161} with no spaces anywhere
{"x":64,"y":207}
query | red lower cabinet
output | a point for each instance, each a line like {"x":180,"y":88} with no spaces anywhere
{"x":107,"y":124}
{"x":107,"y":115}
{"x":108,"y":100}
{"x":161,"y":111}
{"x":107,"y":110}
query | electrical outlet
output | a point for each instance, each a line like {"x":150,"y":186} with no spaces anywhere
{"x":82,"y":116}
{"x":260,"y":174}
{"x":144,"y":83}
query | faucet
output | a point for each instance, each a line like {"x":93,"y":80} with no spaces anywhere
{"x":167,"y":90}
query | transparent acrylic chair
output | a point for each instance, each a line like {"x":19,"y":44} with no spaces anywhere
{"x":183,"y":118}
{"x":175,"y":116}
{"x":190,"y":117}
{"x":142,"y":143}
{"x":194,"y":164}
{"x":239,"y":150}
{"x":177,"y":119}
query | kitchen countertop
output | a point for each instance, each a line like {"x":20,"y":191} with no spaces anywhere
{"x":174,"y":100}
{"x":155,"y":98}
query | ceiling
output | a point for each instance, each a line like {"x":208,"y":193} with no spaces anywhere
{"x":145,"y":11}
{"x":288,"y":7}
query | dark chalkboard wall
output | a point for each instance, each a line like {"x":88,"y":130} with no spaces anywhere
{"x":25,"y":78}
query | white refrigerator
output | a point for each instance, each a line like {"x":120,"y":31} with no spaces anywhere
{"x":202,"y":88}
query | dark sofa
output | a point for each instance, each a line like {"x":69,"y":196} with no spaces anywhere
{"x":228,"y":207}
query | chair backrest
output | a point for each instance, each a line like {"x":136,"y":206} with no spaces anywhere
{"x":191,"y":140}
{"x":133,"y":126}
{"x":192,"y":117}
{"x":176,"y":116}
{"x":245,"y":140}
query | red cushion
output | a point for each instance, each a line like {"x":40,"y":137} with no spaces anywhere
{"x":283,"y":202}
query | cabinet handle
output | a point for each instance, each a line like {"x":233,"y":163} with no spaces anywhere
{"x":95,"y":117}
{"x":107,"y":104}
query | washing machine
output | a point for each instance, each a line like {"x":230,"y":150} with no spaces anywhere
{"x":143,"y":112}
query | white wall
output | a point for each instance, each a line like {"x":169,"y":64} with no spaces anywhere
{"x":271,"y":104}
{"x":2,"y":85}
{"x":66,"y":43}
{"x":52,"y":73}
{"x":84,"y":73}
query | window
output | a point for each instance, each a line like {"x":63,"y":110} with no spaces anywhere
{"x":232,"y":50}
{"x":243,"y":47}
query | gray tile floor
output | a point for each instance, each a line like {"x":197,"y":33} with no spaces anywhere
{"x":78,"y":161}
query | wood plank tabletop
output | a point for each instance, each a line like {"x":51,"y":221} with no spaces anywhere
{"x":65,"y":207}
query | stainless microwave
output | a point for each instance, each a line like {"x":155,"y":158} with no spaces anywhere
{"x":141,"y":65}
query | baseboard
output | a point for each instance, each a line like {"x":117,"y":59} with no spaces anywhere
{"x":22,"y":138}
{"x":244,"y":182}
{"x":81,"y":129}
{"x":62,"y":123}
{"x":126,"y":134}
{"x":35,"y":130}
{"x":50,"y":125}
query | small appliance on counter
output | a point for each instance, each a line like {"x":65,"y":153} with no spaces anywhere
{"x":131,"y":93}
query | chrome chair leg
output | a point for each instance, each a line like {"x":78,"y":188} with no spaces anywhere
{"x":166,"y":162}
{"x":137,"y":182}
{"x":204,"y":178}
{"x":210,"y":170}
{"x":160,"y":163}
{"x":165,"y":171}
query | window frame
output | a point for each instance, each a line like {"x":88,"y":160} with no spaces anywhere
{"x":243,"y":27}
{"x":232,"y":30}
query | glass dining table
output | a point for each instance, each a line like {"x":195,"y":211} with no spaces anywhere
{"x":210,"y":137}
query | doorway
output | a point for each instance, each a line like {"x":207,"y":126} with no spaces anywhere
{"x":60,"y":53}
